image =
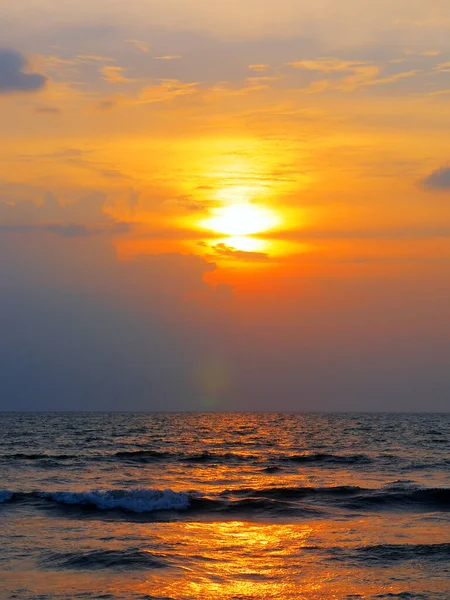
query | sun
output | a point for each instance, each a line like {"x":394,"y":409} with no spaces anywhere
{"x":241,"y":219}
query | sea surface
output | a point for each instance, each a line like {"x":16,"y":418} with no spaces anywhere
{"x":224,"y":506}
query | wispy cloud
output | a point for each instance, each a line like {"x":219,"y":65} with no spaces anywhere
{"x":140,"y":45}
{"x":114,"y":74}
{"x":168,"y":57}
{"x":259,"y":67}
{"x":222,"y":251}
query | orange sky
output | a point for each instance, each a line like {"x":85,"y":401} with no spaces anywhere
{"x":269,"y":169}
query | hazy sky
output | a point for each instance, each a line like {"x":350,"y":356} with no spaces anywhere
{"x":225,"y":205}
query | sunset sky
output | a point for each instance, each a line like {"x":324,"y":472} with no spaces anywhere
{"x":214,"y":205}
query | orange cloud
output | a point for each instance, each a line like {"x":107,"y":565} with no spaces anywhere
{"x":167,"y":57}
{"x":114,"y":75}
{"x":260,"y":67}
{"x":142,"y":46}
{"x":166,"y":90}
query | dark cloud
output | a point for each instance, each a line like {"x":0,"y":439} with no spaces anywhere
{"x":438,"y":180}
{"x":12,"y":75}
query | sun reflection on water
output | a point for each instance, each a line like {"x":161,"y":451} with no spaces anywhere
{"x":240,"y":560}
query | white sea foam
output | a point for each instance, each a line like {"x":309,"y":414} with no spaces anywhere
{"x":5,"y":495}
{"x":135,"y":500}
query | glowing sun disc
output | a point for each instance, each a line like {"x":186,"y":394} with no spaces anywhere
{"x":241,"y":219}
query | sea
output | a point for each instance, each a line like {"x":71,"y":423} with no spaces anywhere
{"x":233,"y":506}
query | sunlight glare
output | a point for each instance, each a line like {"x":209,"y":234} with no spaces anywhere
{"x":241,"y":220}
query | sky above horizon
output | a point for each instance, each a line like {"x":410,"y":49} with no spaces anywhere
{"x":218,"y":206}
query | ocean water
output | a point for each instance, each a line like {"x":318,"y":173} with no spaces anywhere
{"x":224,"y":506}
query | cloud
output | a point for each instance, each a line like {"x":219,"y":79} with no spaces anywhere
{"x":105,"y":105}
{"x":140,"y":45}
{"x":85,"y":211}
{"x":47,"y":110}
{"x":165,"y":90}
{"x":186,"y":203}
{"x":438,"y":180}
{"x":346,"y":75}
{"x":113,"y":74}
{"x":168,"y":57}
{"x":223,"y":251}
{"x":397,"y":234}
{"x":73,"y":230}
{"x":260,"y":67}
{"x":12,"y":75}
{"x":80,"y":158}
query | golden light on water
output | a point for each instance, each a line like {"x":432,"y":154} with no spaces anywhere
{"x":238,"y":220}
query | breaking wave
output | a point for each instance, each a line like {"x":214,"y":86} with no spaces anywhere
{"x":295,"y":500}
{"x":5,"y":495}
{"x":137,"y":500}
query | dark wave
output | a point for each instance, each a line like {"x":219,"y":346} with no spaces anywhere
{"x":406,"y":596}
{"x":253,"y":506}
{"x":270,"y":463}
{"x":38,"y":456}
{"x":271,"y":469}
{"x":407,"y":498}
{"x":142,"y":455}
{"x":129,"y":559}
{"x":200,"y":457}
{"x":325,"y":458}
{"x":286,"y":493}
{"x":391,"y":553}
{"x":210,"y":457}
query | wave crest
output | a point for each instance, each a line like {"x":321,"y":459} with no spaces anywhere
{"x":136,"y":500}
{"x":5,"y":495}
